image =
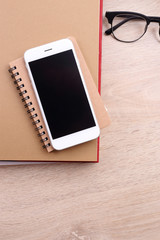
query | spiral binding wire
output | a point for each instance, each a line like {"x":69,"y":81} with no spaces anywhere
{"x":27,"y":105}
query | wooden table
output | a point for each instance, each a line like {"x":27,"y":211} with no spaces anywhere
{"x":119,"y":198}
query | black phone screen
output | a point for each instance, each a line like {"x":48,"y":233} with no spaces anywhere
{"x":62,"y":94}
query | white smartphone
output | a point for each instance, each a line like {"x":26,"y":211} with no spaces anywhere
{"x":61,"y":93}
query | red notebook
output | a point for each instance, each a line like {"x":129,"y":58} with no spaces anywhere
{"x":90,"y":45}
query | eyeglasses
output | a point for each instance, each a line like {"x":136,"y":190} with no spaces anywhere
{"x":129,"y":26}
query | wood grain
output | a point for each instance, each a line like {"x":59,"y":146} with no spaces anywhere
{"x":119,"y":198}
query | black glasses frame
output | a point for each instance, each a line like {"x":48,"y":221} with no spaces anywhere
{"x":111,"y":15}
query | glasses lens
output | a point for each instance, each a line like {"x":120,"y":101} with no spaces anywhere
{"x":128,"y":27}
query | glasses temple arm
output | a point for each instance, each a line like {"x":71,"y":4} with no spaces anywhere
{"x":110,"y":30}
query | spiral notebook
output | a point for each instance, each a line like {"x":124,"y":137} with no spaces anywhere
{"x":30,"y":26}
{"x":23,"y":84}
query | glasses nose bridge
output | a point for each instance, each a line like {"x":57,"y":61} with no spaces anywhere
{"x":155,"y":20}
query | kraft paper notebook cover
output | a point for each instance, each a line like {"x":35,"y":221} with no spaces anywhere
{"x":79,"y":19}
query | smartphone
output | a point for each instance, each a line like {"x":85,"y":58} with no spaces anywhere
{"x":61,"y":93}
